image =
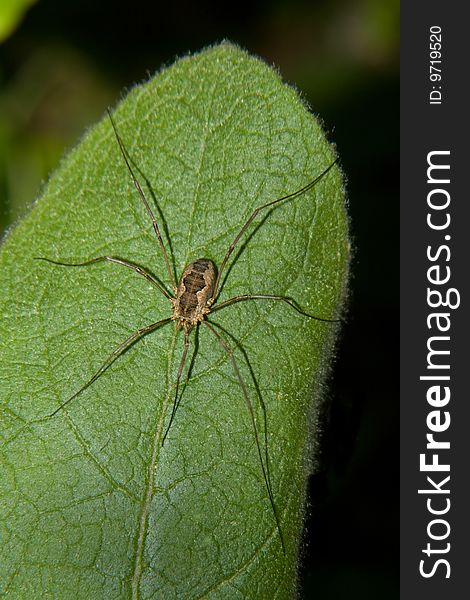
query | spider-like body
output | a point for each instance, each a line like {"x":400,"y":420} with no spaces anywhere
{"x":195,"y":297}
{"x":195,"y":294}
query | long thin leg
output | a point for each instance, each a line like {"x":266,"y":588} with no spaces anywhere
{"x":113,"y":356}
{"x":191,"y":365}
{"x":285,"y":299}
{"x":258,"y":393}
{"x":112,"y":259}
{"x":249,"y":405}
{"x":144,"y":200}
{"x":178,"y":379}
{"x":253,"y":216}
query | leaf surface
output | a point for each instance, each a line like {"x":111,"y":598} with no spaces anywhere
{"x":92,"y":504}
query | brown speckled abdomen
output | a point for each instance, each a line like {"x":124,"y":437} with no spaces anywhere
{"x":195,"y":289}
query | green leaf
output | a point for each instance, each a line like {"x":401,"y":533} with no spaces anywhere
{"x":92,"y":505}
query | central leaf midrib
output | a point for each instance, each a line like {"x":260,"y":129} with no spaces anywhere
{"x":202,"y":151}
{"x":151,"y":468}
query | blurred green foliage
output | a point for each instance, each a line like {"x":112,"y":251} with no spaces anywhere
{"x":11,"y":13}
{"x":34,"y":130}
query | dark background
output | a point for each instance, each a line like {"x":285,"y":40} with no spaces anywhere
{"x":65,"y":62}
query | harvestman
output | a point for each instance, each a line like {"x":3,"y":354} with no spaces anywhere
{"x":193,"y":300}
